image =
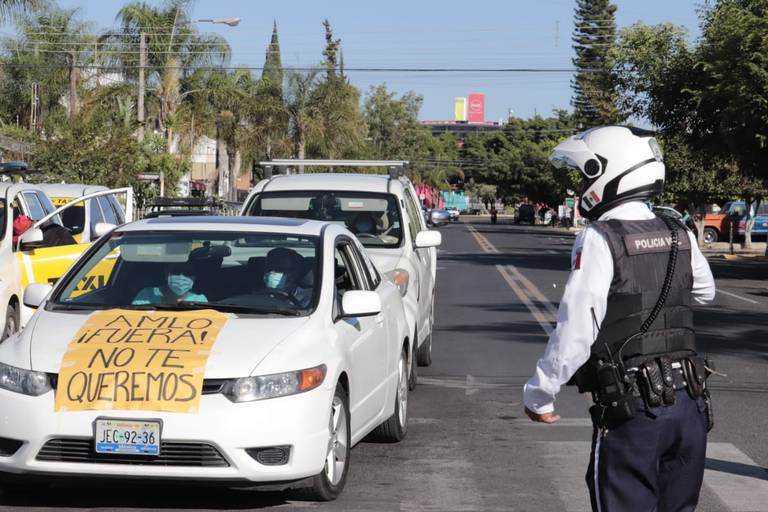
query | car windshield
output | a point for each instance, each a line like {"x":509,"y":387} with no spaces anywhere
{"x":260,"y":273}
{"x":374,"y":218}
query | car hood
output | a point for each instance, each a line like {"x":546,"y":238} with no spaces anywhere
{"x":385,"y":259}
{"x":240,"y":346}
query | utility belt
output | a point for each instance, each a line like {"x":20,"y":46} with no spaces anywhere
{"x":654,"y":381}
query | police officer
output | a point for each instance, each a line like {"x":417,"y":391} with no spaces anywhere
{"x":625,"y":331}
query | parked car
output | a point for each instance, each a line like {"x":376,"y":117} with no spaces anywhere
{"x":525,"y":213}
{"x":760,"y":229}
{"x":717,"y":225}
{"x":27,"y":259}
{"x":234,"y":378}
{"x":386,"y":216}
{"x":436,"y":217}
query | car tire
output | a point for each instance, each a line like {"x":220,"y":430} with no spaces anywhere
{"x":710,"y":235}
{"x":328,"y":484}
{"x":11,"y":324}
{"x":424,"y":352}
{"x":394,"y":429}
{"x":413,"y":374}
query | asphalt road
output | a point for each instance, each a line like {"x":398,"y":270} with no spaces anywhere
{"x":469,"y":445}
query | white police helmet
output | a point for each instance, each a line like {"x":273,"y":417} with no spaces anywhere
{"x":619,"y":164}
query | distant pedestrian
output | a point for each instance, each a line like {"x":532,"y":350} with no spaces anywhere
{"x":625,"y":331}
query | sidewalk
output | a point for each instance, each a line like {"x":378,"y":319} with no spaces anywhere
{"x":722,"y":250}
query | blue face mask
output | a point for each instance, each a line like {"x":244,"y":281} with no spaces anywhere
{"x":275,"y":280}
{"x":180,"y":284}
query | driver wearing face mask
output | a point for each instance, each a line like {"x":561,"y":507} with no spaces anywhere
{"x":284,"y":271}
{"x":179,"y":280}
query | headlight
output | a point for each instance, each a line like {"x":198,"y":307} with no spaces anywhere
{"x":26,"y":382}
{"x":400,"y":277}
{"x":248,"y":389}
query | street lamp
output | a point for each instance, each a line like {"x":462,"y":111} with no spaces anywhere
{"x":231,"y":21}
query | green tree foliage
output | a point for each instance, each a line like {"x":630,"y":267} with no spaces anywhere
{"x":36,"y":66}
{"x":515,"y":160}
{"x":331,"y":51}
{"x":10,"y":8}
{"x":594,"y":88}
{"x":175,"y":49}
{"x":273,"y":66}
{"x":84,"y":153}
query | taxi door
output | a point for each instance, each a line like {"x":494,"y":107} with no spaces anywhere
{"x":48,"y":264}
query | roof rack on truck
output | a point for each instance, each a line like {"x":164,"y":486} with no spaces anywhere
{"x":395,"y":168}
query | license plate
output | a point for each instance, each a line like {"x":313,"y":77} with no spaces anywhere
{"x":129,"y":437}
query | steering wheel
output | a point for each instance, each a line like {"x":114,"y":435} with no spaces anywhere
{"x":281,"y":293}
{"x":367,"y":235}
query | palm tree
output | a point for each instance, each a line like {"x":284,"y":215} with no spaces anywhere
{"x":303,"y":113}
{"x":41,"y":67}
{"x":9,"y":8}
{"x":175,"y":50}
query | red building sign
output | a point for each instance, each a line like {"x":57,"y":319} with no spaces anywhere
{"x":476,"y":108}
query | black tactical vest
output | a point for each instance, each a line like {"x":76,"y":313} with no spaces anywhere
{"x":640,"y":250}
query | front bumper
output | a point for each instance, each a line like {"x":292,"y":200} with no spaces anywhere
{"x":299,"y":421}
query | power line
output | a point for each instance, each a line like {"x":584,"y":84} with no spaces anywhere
{"x":319,"y":68}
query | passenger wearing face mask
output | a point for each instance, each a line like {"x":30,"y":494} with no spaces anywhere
{"x":180,"y":278}
{"x":284,"y":271}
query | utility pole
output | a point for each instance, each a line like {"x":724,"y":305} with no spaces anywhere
{"x":142,"y":92}
{"x":73,"y":101}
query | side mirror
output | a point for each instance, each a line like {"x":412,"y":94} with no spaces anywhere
{"x":31,"y":238}
{"x":35,"y":294}
{"x":101,"y":229}
{"x":360,"y":303}
{"x":439,"y":218}
{"x":428,"y":238}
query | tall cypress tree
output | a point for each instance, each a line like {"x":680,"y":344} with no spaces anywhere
{"x":273,"y":67}
{"x":331,"y":51}
{"x":594,"y":86}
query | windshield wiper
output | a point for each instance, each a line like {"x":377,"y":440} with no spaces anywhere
{"x":81,"y":306}
{"x":240,"y":308}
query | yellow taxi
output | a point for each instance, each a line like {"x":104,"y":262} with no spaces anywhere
{"x":28,"y":257}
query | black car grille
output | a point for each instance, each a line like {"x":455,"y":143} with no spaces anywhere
{"x":171,"y":454}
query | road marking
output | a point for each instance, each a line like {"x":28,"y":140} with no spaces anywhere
{"x":736,"y":479}
{"x":737,"y":296}
{"x":520,"y":284}
{"x":540,"y":317}
{"x":730,"y":474}
{"x":470,"y":384}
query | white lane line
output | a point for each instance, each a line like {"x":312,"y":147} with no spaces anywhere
{"x":737,"y":296}
{"x":736,"y":479}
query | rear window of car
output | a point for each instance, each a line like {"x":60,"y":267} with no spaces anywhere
{"x":373,"y":217}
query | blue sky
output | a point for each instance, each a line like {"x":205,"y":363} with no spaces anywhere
{"x":424,"y":33}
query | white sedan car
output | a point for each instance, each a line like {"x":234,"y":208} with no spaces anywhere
{"x":232,"y":350}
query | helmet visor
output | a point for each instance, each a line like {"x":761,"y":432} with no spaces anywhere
{"x":573,"y":153}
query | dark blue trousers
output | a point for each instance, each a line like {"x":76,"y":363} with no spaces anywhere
{"x":651,"y":463}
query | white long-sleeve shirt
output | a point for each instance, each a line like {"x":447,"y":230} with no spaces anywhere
{"x":587,"y":288}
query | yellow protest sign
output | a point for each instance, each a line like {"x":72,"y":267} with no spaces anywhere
{"x":138,"y":360}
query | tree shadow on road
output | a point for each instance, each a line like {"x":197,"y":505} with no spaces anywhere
{"x":135,"y":494}
{"x":733,"y":332}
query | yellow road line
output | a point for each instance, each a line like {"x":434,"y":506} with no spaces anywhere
{"x":521,"y":285}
